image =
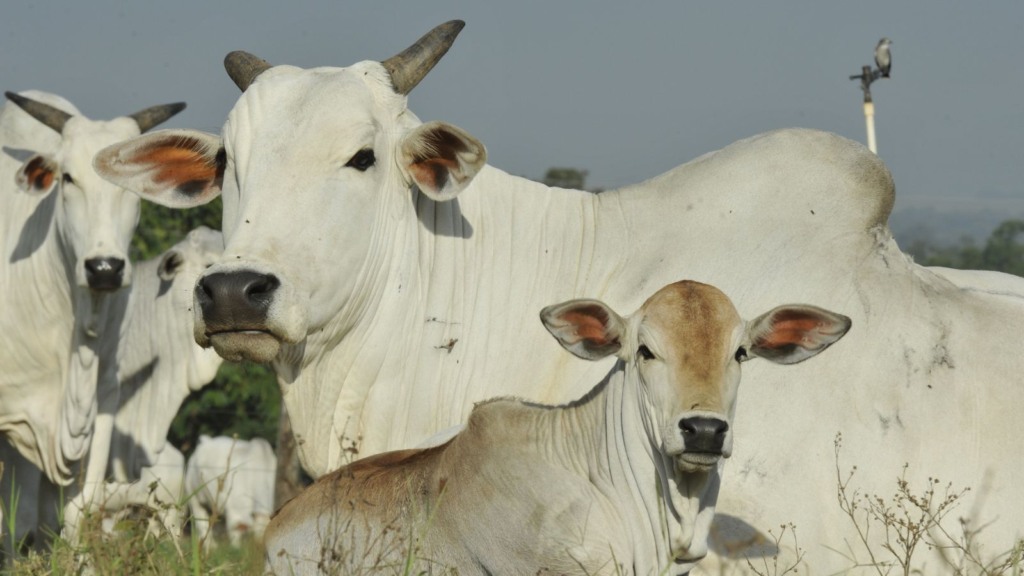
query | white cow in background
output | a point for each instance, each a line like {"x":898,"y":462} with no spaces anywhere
{"x":157,"y":365}
{"x":391,"y":276}
{"x":64,"y":235}
{"x":574,"y":489}
{"x":158,"y":362}
{"x":232,"y":480}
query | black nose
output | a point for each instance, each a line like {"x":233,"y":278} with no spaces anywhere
{"x":233,"y":301}
{"x":104,"y":274}
{"x":703,"y":434}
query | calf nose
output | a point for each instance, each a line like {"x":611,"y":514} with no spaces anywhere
{"x":104,"y":274}
{"x":233,"y":301}
{"x":702,"y":434}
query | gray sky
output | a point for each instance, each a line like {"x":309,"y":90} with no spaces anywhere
{"x":624,"y":90}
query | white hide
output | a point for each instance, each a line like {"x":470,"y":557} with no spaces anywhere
{"x":233,"y":481}
{"x":397,"y":312}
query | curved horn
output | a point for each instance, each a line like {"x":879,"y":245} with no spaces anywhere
{"x":244,"y":68}
{"x":409,"y":67}
{"x":54,"y":118}
{"x":154,"y":115}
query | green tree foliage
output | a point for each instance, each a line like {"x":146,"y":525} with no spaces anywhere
{"x":1002,"y":252}
{"x":566,"y":178}
{"x":244,"y":399}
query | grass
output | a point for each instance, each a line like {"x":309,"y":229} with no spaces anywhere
{"x":132,"y":550}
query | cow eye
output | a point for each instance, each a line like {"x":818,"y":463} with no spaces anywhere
{"x":362,"y":160}
{"x":741,"y":354}
{"x":68,"y":179}
{"x":644,"y":352}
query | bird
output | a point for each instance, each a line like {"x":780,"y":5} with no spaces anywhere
{"x":883,"y":58}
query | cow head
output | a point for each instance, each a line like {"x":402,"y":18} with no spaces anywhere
{"x":314,"y":166}
{"x":685,"y":346}
{"x":95,"y":218}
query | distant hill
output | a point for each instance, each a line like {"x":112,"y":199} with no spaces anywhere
{"x":946,"y":221}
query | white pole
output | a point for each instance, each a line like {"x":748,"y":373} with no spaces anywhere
{"x":869,"y":118}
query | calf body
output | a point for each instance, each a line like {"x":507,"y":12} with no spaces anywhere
{"x":624,"y":479}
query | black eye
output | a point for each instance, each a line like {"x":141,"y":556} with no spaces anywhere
{"x":644,"y":352}
{"x":362,"y":160}
{"x":68,"y":179}
{"x":741,"y":354}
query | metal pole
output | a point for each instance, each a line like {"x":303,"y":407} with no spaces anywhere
{"x":869,"y":118}
{"x":866,"y":77}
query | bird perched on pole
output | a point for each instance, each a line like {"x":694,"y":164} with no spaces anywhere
{"x":883,"y":57}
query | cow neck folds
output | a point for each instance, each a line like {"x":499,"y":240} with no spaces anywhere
{"x":613,"y":436}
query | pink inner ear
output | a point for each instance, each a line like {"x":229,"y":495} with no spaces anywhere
{"x":179,"y":163}
{"x":588,"y":326}
{"x":38,"y":174}
{"x":789,"y":331}
{"x":432,"y":173}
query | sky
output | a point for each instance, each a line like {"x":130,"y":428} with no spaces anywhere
{"x":623,"y":90}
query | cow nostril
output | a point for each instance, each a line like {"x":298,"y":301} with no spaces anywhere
{"x":262,"y":286}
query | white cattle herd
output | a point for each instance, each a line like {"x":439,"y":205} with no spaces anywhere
{"x":392,"y":278}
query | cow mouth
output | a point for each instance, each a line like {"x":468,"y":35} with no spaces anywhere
{"x":259,"y":346}
{"x":697,"y":461}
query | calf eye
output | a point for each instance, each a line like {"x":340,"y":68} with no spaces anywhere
{"x":741,"y":354}
{"x":644,"y":352}
{"x":362,"y":160}
{"x":68,"y":179}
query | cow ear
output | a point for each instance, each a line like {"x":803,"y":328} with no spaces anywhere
{"x":170,"y":264}
{"x":587,"y":328}
{"x":37,"y":175}
{"x":441,"y":159}
{"x":174,"y":168}
{"x":791,"y":334}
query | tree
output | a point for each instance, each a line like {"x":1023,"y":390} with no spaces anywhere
{"x":1003,"y":251}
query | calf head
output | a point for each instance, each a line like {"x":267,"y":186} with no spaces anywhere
{"x":683,"y":349}
{"x":95,"y":218}
{"x":315,"y":167}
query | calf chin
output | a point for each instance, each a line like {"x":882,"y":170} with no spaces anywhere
{"x":258,"y":347}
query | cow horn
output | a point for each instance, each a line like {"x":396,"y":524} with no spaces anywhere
{"x":410,"y":66}
{"x":154,"y":115}
{"x":54,"y":118}
{"x":244,"y":68}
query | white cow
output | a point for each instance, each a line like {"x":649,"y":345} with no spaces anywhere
{"x":158,"y":362}
{"x":233,"y":480}
{"x":64,"y":235}
{"x":623,"y":480}
{"x":157,"y":365}
{"x":390,"y":276}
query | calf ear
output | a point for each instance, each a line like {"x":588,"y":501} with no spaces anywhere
{"x":37,"y":175}
{"x":587,"y":328}
{"x":170,"y":264}
{"x":174,"y":168}
{"x":441,"y":159}
{"x":791,"y":334}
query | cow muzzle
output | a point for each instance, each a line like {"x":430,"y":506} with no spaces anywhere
{"x":234,"y":307}
{"x":104,"y":274}
{"x":704,"y":441}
